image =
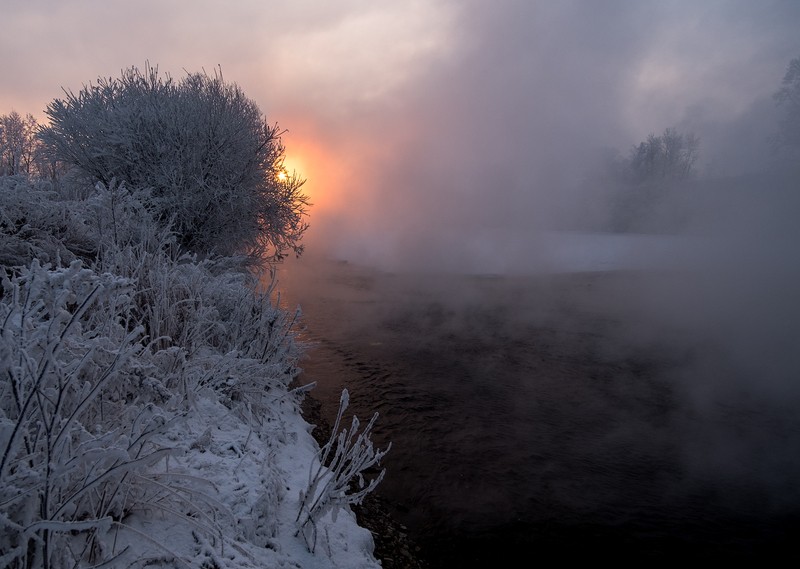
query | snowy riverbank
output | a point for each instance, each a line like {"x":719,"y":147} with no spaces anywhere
{"x":182,"y":456}
{"x":146,"y":413}
{"x":245,"y":472}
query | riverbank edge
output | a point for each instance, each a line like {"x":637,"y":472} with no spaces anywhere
{"x":394,"y":548}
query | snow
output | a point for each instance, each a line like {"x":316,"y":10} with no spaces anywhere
{"x":146,"y":413}
{"x":234,"y":466}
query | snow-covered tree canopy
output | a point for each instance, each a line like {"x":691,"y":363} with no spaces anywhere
{"x":204,"y":151}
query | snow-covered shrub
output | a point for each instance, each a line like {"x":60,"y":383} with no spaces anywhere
{"x":207,"y":313}
{"x":36,"y":224}
{"x":42,"y":220}
{"x":66,"y":454}
{"x":340,"y":481}
{"x":200,"y":145}
{"x":118,"y":218}
{"x":84,"y":408}
{"x":254,"y":328}
{"x":200,"y":305}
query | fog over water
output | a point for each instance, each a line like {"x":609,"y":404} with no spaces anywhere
{"x":549,"y":376}
{"x":499,"y":149}
{"x":572,"y":413}
{"x":493,"y":160}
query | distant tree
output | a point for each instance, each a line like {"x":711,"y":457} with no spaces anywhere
{"x":642,"y":185}
{"x":18,"y":144}
{"x":211,"y":163}
{"x":670,"y":156}
{"x":788,"y":99}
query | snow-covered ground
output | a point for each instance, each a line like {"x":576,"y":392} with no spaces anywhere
{"x":243,"y":472}
{"x":146,"y":414}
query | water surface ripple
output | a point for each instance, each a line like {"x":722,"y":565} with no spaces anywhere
{"x":541,"y":412}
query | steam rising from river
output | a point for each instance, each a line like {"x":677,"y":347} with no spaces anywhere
{"x":493,"y":164}
{"x":491,"y":161}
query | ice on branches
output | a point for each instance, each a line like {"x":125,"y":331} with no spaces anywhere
{"x":64,"y":460}
{"x":337,"y":478}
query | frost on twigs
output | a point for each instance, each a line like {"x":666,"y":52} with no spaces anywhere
{"x":85,"y":408}
{"x":201,"y":147}
{"x":337,"y":478}
{"x":66,"y":456}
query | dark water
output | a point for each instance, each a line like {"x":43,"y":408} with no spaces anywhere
{"x":546,"y":416}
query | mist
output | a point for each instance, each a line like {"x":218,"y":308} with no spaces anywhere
{"x":501,"y":139}
{"x":491,"y":161}
{"x":494,"y":161}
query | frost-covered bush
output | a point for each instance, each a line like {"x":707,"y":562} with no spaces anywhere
{"x":213,"y":318}
{"x":208,"y":317}
{"x":200,"y":146}
{"x":117,"y":217}
{"x":88,"y":395}
{"x":337,"y":479}
{"x":58,"y":223}
{"x":67,"y":450}
{"x":36,"y":224}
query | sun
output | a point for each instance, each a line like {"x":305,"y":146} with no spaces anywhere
{"x":282,"y":176}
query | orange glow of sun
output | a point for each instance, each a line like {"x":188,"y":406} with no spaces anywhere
{"x":308,"y":158}
{"x":282,"y":176}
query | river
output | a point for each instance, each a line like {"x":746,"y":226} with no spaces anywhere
{"x":545,"y":415}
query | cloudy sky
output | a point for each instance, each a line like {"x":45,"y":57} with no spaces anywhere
{"x":417,"y":122}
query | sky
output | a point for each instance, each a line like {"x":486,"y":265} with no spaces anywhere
{"x":436,"y":131}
